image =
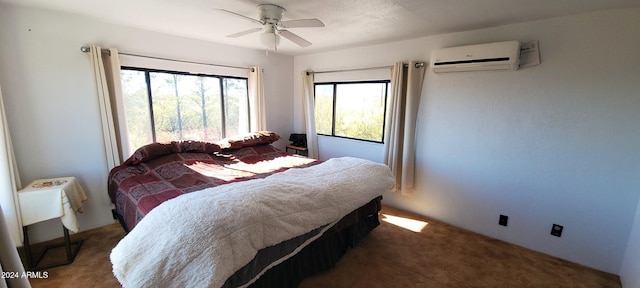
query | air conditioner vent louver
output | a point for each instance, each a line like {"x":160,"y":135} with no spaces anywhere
{"x":481,"y":57}
{"x":473,"y":61}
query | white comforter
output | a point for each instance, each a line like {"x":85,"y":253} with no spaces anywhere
{"x":201,"y":238}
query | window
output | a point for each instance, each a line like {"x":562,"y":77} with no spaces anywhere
{"x":167,"y":105}
{"x":351,"y":109}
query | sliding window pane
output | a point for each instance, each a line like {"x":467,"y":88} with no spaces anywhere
{"x":209,"y":91}
{"x":360,"y":110}
{"x":236,"y":106}
{"x":200,"y":100}
{"x":167,"y":108}
{"x":324,"y":108}
{"x":191,"y":103}
{"x":186,"y":107}
{"x":136,"y":108}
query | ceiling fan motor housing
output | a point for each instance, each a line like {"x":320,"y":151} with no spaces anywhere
{"x":271,"y":14}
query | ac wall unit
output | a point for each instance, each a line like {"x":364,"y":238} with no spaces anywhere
{"x":481,"y":57}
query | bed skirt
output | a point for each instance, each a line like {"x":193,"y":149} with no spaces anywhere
{"x":320,"y":255}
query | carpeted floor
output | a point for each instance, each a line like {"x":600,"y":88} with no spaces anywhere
{"x":391,"y":256}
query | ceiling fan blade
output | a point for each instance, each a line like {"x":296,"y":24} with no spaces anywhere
{"x":241,"y":16}
{"x":294,"y":38}
{"x":245,"y":32}
{"x":301,"y":23}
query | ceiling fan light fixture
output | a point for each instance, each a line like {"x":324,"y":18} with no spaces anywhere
{"x":270,"y":39}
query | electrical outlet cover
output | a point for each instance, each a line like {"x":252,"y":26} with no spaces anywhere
{"x":556,"y":230}
{"x":503,"y":220}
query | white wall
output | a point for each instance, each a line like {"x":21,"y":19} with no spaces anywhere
{"x":52,"y":108}
{"x":554,"y":143}
{"x":629,"y":275}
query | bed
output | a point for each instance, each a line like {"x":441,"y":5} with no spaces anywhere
{"x":238,"y":213}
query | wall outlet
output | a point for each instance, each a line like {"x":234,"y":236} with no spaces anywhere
{"x":503,"y":220}
{"x":556,"y":230}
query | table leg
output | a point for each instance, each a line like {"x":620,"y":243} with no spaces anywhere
{"x":71,"y":253}
{"x":27,"y":247}
{"x":67,"y":243}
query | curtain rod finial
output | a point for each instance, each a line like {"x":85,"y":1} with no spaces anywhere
{"x":85,"y":49}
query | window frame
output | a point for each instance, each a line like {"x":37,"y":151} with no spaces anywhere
{"x":333,"y":111}
{"x":222,"y":93}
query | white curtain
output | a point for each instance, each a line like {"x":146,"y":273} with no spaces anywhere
{"x":257,"y":102}
{"x":309,"y":111}
{"x":106,"y":69}
{"x":9,"y":258}
{"x":10,"y":220}
{"x":399,"y":144}
{"x":9,"y":181}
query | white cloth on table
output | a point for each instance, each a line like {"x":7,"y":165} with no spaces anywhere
{"x":46,"y":199}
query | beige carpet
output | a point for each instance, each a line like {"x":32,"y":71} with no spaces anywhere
{"x":438,"y":256}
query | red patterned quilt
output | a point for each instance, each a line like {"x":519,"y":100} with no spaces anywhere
{"x":135,"y":189}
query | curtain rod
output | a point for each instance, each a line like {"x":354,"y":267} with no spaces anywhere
{"x":106,"y":51}
{"x":417,"y":65}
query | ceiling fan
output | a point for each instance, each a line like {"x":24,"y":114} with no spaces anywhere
{"x":273,"y":27}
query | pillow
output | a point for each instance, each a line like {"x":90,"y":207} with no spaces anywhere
{"x":251,"y":139}
{"x":151,"y":151}
{"x":198,"y":147}
{"x":155,"y":150}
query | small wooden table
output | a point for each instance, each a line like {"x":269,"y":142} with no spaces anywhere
{"x":51,"y":198}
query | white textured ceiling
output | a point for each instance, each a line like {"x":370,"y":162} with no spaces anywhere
{"x":348,"y":22}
